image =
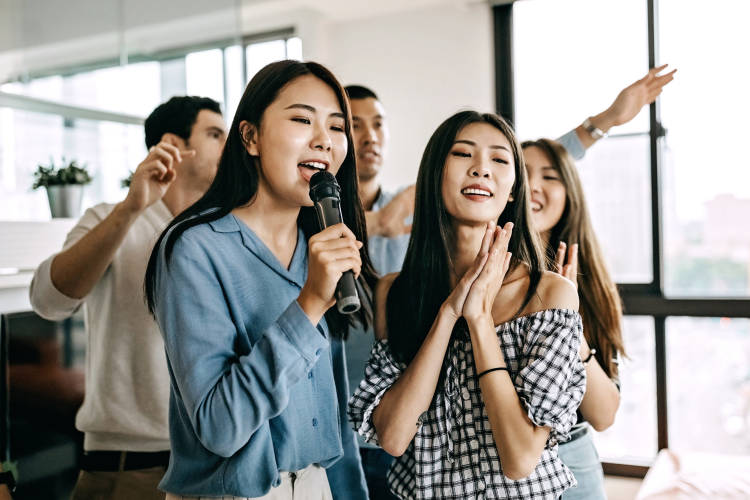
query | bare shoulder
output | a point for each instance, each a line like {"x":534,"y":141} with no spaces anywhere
{"x":381,"y":297}
{"x":556,"y":292}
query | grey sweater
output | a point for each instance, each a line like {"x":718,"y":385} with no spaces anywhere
{"x":127,"y":383}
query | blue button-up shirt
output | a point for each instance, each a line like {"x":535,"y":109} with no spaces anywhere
{"x":253,"y":390}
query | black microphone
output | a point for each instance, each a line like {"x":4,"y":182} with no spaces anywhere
{"x":325,"y":194}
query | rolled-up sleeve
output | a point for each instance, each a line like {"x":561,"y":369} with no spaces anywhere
{"x":228,"y":397}
{"x":552,"y":384}
{"x":573,"y":144}
{"x":381,"y":372}
{"x":46,"y":300}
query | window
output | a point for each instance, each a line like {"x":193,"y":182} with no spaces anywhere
{"x":669,"y":195}
{"x":638,"y":398}
{"x":709,"y":384}
{"x":112,"y":149}
{"x":557,"y":86}
{"x":706,"y":175}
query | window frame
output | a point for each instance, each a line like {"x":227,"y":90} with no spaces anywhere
{"x":639,"y":299}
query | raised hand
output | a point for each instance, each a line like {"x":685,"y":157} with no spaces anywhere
{"x":454,"y":304}
{"x":484,"y":289}
{"x":154,"y":175}
{"x":332,"y":252}
{"x":389,"y":221}
{"x":569,"y":270}
{"x":632,"y":98}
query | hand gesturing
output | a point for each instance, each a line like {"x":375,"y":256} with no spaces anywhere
{"x":569,"y":270}
{"x":154,"y":175}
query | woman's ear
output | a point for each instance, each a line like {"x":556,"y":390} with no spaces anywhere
{"x":249,"y":135}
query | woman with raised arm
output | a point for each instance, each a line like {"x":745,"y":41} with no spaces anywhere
{"x":242,"y":288}
{"x":475,"y":376}
{"x":559,"y":209}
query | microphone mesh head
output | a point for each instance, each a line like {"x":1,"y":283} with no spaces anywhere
{"x":323,"y":177}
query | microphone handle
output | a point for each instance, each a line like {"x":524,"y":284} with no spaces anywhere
{"x":347,"y":298}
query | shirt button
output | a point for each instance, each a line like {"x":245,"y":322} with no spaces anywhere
{"x":466,"y":395}
{"x":309,"y":375}
{"x":317,"y":353}
{"x":315,"y":422}
{"x":481,"y":486}
{"x":292,"y":283}
{"x":474,"y":444}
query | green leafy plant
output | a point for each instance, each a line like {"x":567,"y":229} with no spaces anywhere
{"x":65,"y":175}
{"x":125,"y":183}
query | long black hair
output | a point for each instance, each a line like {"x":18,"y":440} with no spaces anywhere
{"x":236,"y":184}
{"x":416,"y":295}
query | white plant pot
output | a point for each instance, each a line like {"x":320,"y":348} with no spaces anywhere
{"x":65,"y":201}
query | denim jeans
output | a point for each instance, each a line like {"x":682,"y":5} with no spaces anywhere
{"x":376,"y":463}
{"x":581,"y":458}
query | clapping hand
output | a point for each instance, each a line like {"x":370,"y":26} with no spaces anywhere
{"x":484,"y":289}
{"x":569,"y":270}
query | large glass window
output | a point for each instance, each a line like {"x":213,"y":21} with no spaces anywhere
{"x":706,"y":175}
{"x":111,"y":149}
{"x":27,"y":140}
{"x":633,"y":436}
{"x":709,"y":384}
{"x":570,"y":59}
{"x":562,"y":75}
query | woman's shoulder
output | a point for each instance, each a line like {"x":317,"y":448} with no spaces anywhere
{"x":556,"y":292}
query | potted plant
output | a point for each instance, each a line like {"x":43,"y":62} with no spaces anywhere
{"x":64,"y":187}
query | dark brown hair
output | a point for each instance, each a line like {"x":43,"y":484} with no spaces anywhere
{"x":600,"y":306}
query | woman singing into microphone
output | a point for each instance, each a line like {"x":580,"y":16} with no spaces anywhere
{"x":242,"y":289}
{"x":475,"y":376}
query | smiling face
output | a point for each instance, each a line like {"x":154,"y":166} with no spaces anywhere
{"x":301,"y":133}
{"x":371,"y":136}
{"x":479,"y":175}
{"x":548,"y":195}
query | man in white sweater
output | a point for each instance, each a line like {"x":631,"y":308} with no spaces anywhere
{"x":101,"y":267}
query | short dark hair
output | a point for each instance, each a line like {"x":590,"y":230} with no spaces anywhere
{"x":359,"y":92}
{"x":176,"y":116}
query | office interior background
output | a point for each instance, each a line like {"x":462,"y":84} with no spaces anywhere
{"x":669,"y":192}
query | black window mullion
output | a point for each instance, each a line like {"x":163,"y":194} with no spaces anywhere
{"x":655,"y":134}
{"x":504,"y":98}
{"x":662,"y":423}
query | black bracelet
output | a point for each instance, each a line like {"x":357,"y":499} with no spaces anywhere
{"x":492,"y":370}
{"x":591,"y":355}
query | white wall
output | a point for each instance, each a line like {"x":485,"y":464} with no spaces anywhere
{"x":424,"y":64}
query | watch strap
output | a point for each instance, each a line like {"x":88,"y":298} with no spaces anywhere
{"x":595,"y":132}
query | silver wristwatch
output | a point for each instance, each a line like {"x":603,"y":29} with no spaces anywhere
{"x":594,"y":132}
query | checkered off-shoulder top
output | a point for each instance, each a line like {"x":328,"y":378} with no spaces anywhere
{"x":453,"y":454}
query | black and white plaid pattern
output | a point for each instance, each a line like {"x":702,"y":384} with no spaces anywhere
{"x":453,"y":454}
